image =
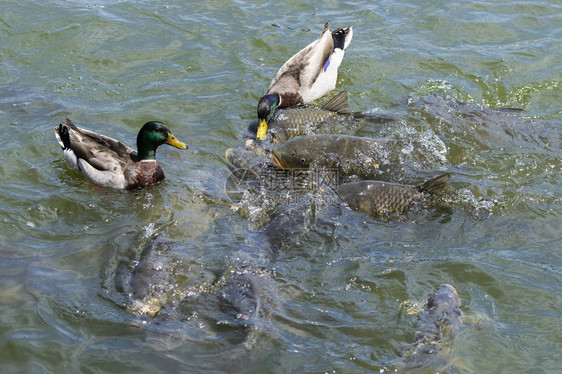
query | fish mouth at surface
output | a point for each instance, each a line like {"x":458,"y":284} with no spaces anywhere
{"x":227,"y":154}
{"x":276,"y":161}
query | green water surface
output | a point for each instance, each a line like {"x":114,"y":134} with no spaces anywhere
{"x":341,"y":291}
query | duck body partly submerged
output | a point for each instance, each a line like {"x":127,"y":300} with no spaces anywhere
{"x":308,"y":75}
{"x":110,"y":163}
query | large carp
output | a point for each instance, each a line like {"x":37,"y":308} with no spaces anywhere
{"x":383,"y":199}
{"x":289,"y":123}
{"x":351,"y":155}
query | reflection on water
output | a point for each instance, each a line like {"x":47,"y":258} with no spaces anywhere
{"x":185,"y":278}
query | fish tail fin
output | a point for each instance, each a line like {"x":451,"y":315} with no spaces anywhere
{"x":435,"y":184}
{"x":338,"y":104}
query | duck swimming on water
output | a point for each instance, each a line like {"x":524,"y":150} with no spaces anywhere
{"x":110,"y":163}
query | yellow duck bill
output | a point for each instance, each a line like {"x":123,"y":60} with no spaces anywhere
{"x":262,"y":129}
{"x":173,"y":141}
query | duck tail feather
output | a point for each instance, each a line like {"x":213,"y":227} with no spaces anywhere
{"x":348,"y":36}
{"x":326,"y":28}
{"x":63,"y":136}
{"x":339,"y":37}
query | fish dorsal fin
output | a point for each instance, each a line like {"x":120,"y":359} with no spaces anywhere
{"x":435,"y":184}
{"x":338,"y":104}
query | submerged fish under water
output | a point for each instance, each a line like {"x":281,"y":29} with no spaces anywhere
{"x":247,"y":159}
{"x":441,"y":311}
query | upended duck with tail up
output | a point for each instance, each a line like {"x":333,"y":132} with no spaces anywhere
{"x":310,"y":74}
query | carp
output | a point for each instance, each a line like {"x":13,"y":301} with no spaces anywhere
{"x":352,"y":155}
{"x":383,"y":199}
{"x":441,"y":313}
{"x":289,"y":123}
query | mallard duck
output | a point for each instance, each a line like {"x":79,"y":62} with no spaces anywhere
{"x":111,"y":163}
{"x":307,"y":76}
